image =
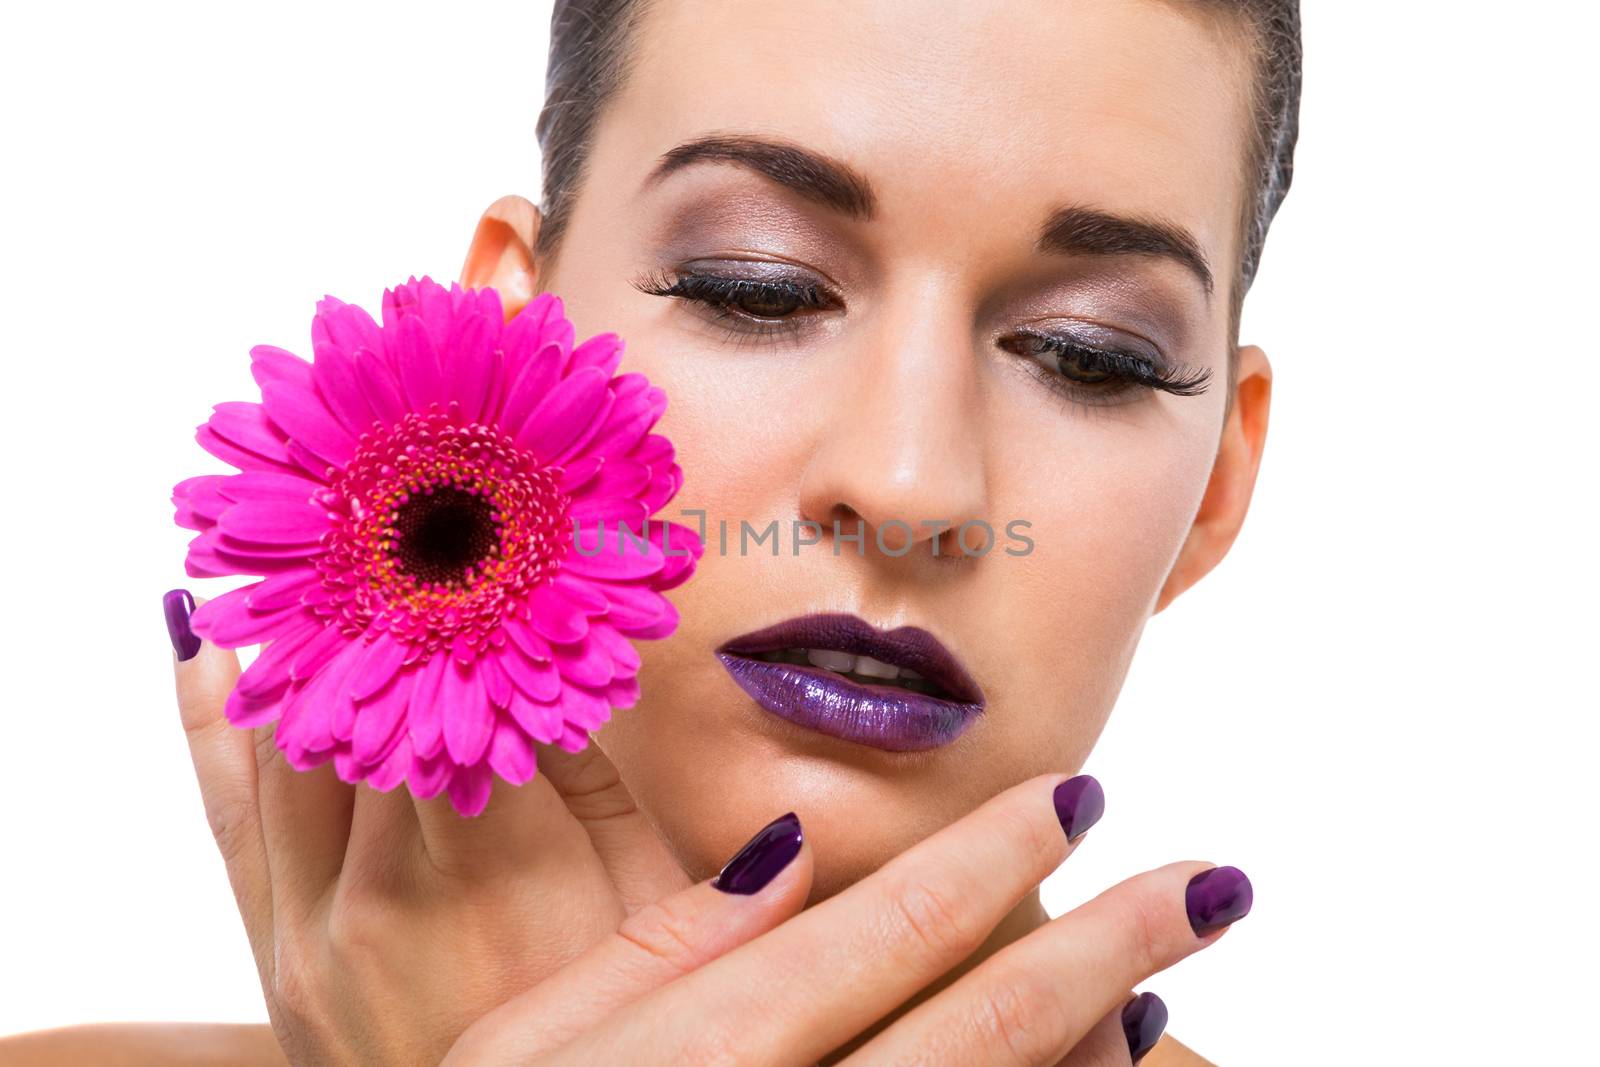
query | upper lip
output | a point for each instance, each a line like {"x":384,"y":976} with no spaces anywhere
{"x":905,"y":646}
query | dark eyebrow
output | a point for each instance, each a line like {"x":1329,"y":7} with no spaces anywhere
{"x":816,"y":177}
{"x":838,"y":186}
{"x":1076,"y":231}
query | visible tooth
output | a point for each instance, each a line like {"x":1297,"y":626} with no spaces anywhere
{"x":868,"y":667}
{"x":907,"y":672}
{"x":842,"y":662}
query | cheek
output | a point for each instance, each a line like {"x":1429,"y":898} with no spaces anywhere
{"x":1110,"y":501}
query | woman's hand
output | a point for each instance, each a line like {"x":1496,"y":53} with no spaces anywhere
{"x":382,"y":925}
{"x":712,"y":977}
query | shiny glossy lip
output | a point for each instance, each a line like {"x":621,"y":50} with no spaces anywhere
{"x":882,"y":716}
{"x":904,"y":646}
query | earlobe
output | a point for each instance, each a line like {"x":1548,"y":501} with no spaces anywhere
{"x":501,"y":253}
{"x":1233,"y":478}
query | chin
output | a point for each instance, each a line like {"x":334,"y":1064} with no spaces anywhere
{"x":709,"y":768}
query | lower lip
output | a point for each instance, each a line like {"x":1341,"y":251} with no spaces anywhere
{"x":886,"y":717}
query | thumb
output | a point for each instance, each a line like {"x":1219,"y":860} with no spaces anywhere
{"x":766,"y":882}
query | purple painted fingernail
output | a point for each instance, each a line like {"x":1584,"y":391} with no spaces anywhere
{"x":1216,"y":898}
{"x":178,"y":606}
{"x":1144,"y":1019}
{"x":1079,"y":804}
{"x":762,"y":857}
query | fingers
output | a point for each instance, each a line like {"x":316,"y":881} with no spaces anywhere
{"x":766,"y":882}
{"x":305,"y":819}
{"x":1037,"y":998}
{"x":630,"y":848}
{"x":804,"y":989}
{"x":1143,"y":1020}
{"x":575,"y":805}
{"x":224,"y":763}
{"x":521,"y":826}
{"x":1103,"y":1046}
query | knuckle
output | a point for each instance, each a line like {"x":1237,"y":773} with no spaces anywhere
{"x":295,"y":989}
{"x":1035,"y":828}
{"x":266,"y":746}
{"x":200,"y":709}
{"x":923,"y":914}
{"x":230,"y":816}
{"x":716,"y":1046}
{"x":1013,"y":1020}
{"x":1142,"y":918}
{"x":357,"y":927}
{"x":665,"y":932}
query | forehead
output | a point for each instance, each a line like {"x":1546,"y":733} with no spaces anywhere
{"x":1004,"y":107}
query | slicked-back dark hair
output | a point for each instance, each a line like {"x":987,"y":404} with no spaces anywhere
{"x":590,"y":54}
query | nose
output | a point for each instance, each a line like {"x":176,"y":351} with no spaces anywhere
{"x":900,"y":462}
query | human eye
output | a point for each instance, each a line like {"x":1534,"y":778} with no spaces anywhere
{"x":1097,"y":372}
{"x":744,"y":304}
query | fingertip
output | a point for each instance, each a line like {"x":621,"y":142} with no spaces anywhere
{"x":767,"y":854}
{"x":178,"y":605}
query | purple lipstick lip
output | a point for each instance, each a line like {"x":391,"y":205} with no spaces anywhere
{"x":887,"y":716}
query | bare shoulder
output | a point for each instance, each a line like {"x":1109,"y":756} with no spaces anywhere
{"x":145,"y":1045}
{"x":1170,"y":1052}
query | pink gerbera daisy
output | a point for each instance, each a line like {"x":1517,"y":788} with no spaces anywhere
{"x":451,"y":516}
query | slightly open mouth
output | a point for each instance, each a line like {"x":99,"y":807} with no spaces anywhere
{"x":863,"y":670}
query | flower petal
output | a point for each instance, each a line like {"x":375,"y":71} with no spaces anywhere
{"x":275,"y":524}
{"x":532,"y":383}
{"x":282,"y":590}
{"x":585,"y":662}
{"x":199,"y":501}
{"x":578,"y":473}
{"x":429,"y":774}
{"x":268,"y":675}
{"x":380,"y":387}
{"x":619,"y":648}
{"x":378,"y":667}
{"x":317,"y":652}
{"x":468,"y":717}
{"x":613,"y":552}
{"x":392,"y":771}
{"x":541,"y":719}
{"x":240,"y":433}
{"x":294,"y":405}
{"x":511,"y":753}
{"x":557,"y":616}
{"x":420,"y":374}
{"x":228,"y":621}
{"x":538,"y":680}
{"x":603,"y":350}
{"x":426,"y":714}
{"x":334,"y":370}
{"x":526,"y":638}
{"x":574,"y":448}
{"x":379,"y":721}
{"x":470,"y":358}
{"x":563,"y":414}
{"x":496,"y":682}
{"x":469,"y":788}
{"x":247,"y":712}
{"x":584,"y":708}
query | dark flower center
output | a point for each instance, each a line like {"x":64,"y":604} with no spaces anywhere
{"x":443,"y":534}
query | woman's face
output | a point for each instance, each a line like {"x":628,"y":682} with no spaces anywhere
{"x":914,"y":388}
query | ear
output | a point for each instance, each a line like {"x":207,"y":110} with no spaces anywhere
{"x":501,"y":253}
{"x":1233,"y":477}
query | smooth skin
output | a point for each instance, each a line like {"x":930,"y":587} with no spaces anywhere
{"x":385,"y":927}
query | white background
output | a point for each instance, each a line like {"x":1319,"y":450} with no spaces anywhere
{"x":1381,"y":705}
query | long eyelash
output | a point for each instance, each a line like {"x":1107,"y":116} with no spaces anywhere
{"x":724,"y":293}
{"x":1126,"y":368}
